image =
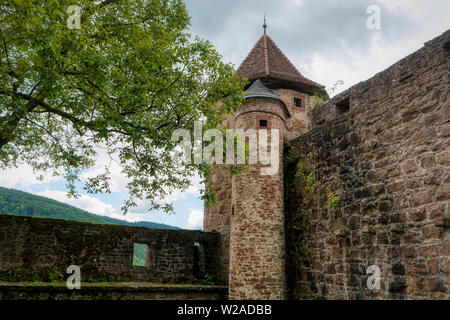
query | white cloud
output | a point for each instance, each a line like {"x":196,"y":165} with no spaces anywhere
{"x":327,"y":68}
{"x":194,"y":189}
{"x":92,"y":205}
{"x":130,"y":216}
{"x":119,"y":181}
{"x":23,"y":177}
{"x":298,"y":2}
{"x":419,"y":8}
{"x":84,"y":202}
{"x":195,"y":220}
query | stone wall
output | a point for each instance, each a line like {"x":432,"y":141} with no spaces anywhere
{"x":217,"y":218}
{"x":110,"y":291}
{"x":370,"y":185}
{"x":298,"y":123}
{"x":37,"y":249}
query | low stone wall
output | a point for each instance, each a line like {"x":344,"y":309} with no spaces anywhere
{"x":36,"y":249}
{"x":110,"y":291}
{"x":369,"y":185}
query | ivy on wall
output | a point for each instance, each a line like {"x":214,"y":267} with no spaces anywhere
{"x":304,"y":197}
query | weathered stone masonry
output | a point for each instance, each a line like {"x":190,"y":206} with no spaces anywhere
{"x":33,"y":248}
{"x":257,"y":218}
{"x":366,"y":181}
{"x":250,"y":213}
{"x":383,"y":147}
{"x":110,"y":291}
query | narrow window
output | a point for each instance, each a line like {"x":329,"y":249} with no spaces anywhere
{"x":263,"y":123}
{"x":196,"y":259}
{"x":447,"y":45}
{"x":141,"y":255}
{"x":299,"y":103}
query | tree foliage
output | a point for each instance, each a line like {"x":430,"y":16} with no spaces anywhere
{"x":124,"y":81}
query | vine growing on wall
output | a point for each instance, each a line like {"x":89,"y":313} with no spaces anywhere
{"x":302,"y":187}
{"x":332,"y":201}
{"x":321,"y":95}
{"x":301,"y":198}
{"x":306,"y":181}
{"x":306,"y":197}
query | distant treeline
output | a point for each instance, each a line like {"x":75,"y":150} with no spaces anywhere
{"x":21,"y":203}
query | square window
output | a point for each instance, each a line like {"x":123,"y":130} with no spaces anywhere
{"x":298,"y":103}
{"x":140,"y":255}
{"x":263,"y":123}
{"x":343,"y":106}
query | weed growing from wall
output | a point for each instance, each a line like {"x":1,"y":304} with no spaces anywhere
{"x":305,"y":199}
{"x":332,"y":201}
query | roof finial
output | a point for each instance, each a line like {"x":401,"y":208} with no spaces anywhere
{"x":265,"y":25}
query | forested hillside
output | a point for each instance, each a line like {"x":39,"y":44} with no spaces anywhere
{"x":25,"y":204}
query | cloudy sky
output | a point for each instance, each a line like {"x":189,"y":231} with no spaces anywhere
{"x":328,"y":40}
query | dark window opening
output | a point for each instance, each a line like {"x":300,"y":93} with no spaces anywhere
{"x":447,"y":229}
{"x":343,"y":106}
{"x":196,"y":260}
{"x":141,"y":255}
{"x":299,"y":103}
{"x":263,"y":123}
{"x":447,"y":45}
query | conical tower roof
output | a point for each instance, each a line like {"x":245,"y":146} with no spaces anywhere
{"x":267,"y":62}
{"x":259,"y":90}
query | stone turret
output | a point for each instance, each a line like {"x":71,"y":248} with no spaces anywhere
{"x":257,"y":218}
{"x":250,"y":213}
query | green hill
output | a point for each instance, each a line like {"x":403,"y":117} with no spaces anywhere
{"x":14,"y":202}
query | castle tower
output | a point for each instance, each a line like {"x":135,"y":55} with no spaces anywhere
{"x":250,"y":213}
{"x":257,"y":216}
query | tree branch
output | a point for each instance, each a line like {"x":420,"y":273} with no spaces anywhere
{"x":9,"y":123}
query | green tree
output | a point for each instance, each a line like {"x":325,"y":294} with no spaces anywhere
{"x":125,"y":80}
